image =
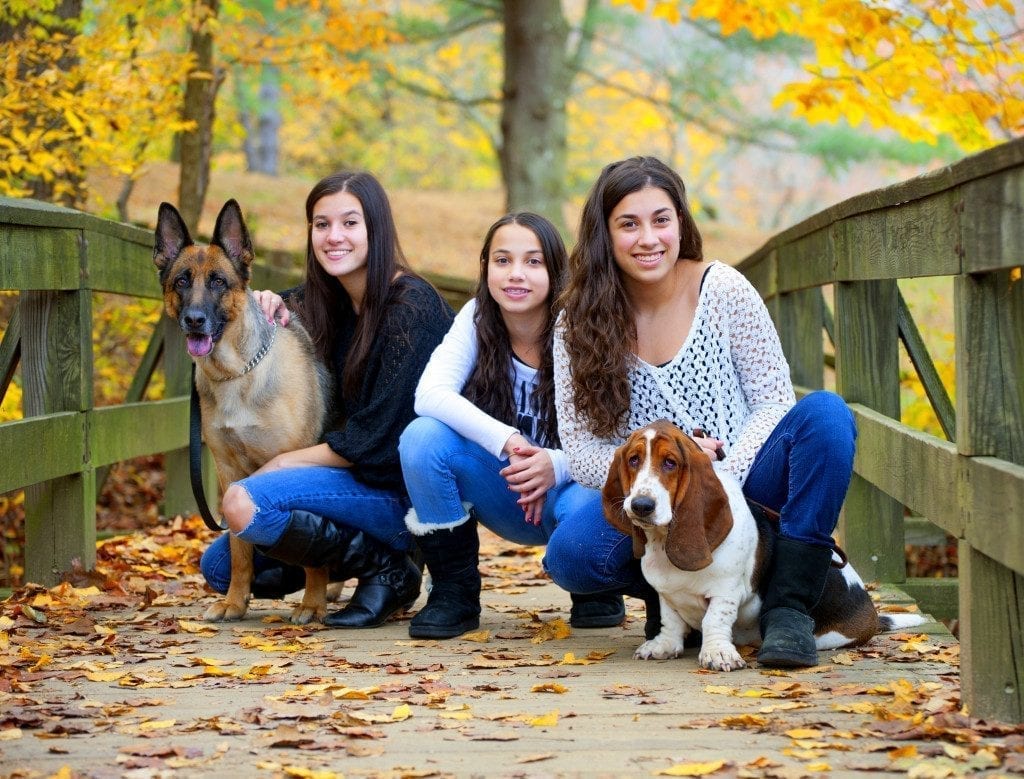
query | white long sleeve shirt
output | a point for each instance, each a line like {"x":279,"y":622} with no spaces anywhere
{"x":438,"y":395}
{"x":730,"y":378}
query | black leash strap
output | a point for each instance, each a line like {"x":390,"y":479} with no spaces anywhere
{"x":195,"y":458}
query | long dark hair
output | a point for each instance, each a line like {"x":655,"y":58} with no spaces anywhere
{"x":325,"y":300}
{"x":600,"y":329}
{"x":488,"y":386}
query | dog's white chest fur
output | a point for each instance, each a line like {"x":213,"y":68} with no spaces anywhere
{"x":729,"y":575}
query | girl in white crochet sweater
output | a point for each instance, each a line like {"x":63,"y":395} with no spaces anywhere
{"x":651,"y":330}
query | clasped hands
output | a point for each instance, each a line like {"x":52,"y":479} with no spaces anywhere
{"x":530,"y":472}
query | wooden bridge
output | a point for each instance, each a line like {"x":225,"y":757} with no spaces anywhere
{"x":831,"y":285}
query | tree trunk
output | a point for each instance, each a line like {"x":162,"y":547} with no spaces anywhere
{"x":200,"y":98}
{"x":533,"y":114}
{"x":269,"y":123}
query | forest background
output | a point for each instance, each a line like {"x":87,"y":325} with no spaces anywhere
{"x":771,"y":110}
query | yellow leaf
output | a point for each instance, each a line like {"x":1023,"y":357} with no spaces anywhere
{"x":803,"y":733}
{"x":908,"y":751}
{"x":555,"y":629}
{"x":480,"y":636}
{"x":692,"y":769}
{"x":401,"y":713}
{"x":105,"y":676}
{"x":545,"y":720}
{"x":197,"y":627}
{"x":549,"y":687}
{"x":163,"y":724}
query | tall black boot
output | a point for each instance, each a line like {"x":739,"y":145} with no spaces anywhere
{"x":596,"y":610}
{"x":795,"y":584}
{"x":452,"y":556}
{"x":278,"y":579}
{"x":388,"y":580}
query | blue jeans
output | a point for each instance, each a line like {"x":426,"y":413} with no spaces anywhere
{"x":333,"y":493}
{"x":802,"y":471}
{"x":443,"y":470}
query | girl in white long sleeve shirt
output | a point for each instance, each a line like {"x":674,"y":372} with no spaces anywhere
{"x":485,"y":447}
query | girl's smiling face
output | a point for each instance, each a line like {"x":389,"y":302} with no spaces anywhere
{"x":338,"y":235}
{"x":517,"y":274}
{"x":644,"y":232}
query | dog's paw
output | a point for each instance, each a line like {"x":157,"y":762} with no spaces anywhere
{"x":720,"y":657}
{"x":225,"y":611}
{"x":308,"y":610}
{"x":305,"y":613}
{"x":334,"y":590}
{"x":659,"y":648}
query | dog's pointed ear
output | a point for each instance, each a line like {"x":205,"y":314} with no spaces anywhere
{"x":231,"y":235}
{"x":701,"y":515}
{"x":171,"y":236}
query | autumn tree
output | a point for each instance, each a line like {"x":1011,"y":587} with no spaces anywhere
{"x":589,"y":60}
{"x":101,"y":92}
{"x":202,"y":84}
{"x":923,"y":68}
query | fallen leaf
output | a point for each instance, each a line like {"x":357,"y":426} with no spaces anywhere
{"x":692,"y":769}
{"x":545,"y":720}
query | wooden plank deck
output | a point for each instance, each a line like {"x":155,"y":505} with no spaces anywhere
{"x":127,"y":681}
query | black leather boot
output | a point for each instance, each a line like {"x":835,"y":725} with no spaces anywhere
{"x":278,"y":579}
{"x":597,"y":610}
{"x":795,"y":584}
{"x":452,"y":556}
{"x":388,"y":580}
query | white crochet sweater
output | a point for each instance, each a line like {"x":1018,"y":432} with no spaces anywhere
{"x":730,"y":378}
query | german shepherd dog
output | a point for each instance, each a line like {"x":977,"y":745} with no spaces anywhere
{"x":261,"y":389}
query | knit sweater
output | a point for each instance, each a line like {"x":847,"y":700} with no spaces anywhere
{"x":729,"y":377}
{"x":439,"y":394}
{"x":368,"y":425}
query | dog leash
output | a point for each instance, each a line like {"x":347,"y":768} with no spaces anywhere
{"x":195,"y":458}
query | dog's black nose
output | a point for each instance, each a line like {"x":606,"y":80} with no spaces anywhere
{"x":194,"y":318}
{"x":642,"y":506}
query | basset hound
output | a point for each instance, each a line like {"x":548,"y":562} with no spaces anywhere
{"x":707,"y":556}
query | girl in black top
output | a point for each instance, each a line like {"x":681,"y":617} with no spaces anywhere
{"x":342,"y":502}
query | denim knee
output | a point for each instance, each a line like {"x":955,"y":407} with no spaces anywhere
{"x":421,"y":439}
{"x":577,"y":564}
{"x":826,"y":423}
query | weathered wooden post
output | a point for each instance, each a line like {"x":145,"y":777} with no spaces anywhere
{"x":990,"y":423}
{"x":867,"y":372}
{"x":56,"y":349}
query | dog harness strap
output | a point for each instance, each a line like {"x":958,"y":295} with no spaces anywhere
{"x":195,"y":458}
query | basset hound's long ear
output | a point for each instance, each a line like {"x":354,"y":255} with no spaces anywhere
{"x":701,"y":518}
{"x":613,"y":500}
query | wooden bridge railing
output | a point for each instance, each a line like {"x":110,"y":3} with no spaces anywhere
{"x":56,"y":259}
{"x":965,"y":221}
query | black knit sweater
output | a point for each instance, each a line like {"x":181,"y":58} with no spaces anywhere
{"x":368,"y":426}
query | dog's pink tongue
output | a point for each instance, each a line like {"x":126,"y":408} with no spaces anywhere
{"x":199,"y":345}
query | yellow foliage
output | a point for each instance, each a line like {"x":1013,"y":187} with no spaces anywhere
{"x":923,"y":68}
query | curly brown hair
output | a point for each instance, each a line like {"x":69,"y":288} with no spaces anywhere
{"x":600,"y":329}
{"x":488,"y":386}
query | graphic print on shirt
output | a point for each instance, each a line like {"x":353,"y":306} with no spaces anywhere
{"x":526,"y":410}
